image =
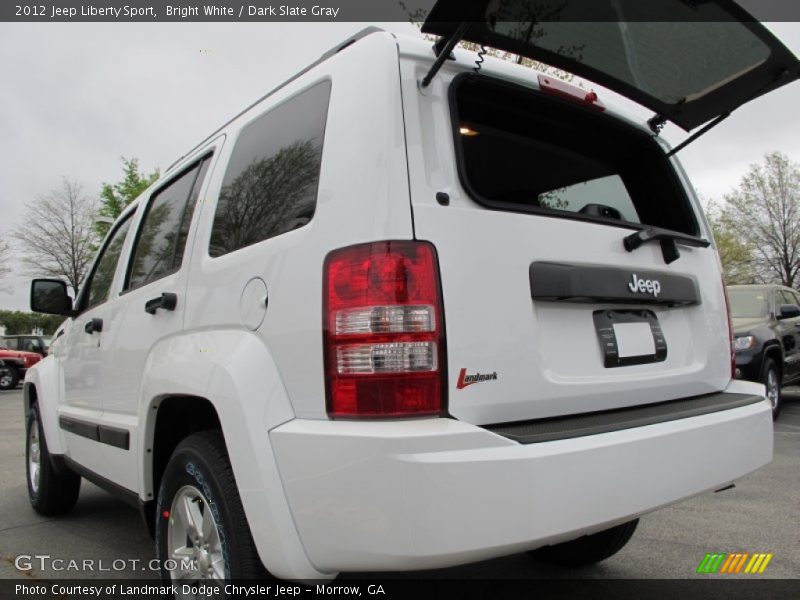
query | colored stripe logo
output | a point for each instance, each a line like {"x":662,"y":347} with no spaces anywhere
{"x":734,"y":563}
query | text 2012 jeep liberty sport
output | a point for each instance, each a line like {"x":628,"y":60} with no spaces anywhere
{"x":412,"y":310}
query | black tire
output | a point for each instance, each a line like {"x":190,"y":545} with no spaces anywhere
{"x":200,"y":469}
{"x":771,"y":377}
{"x":588,"y":549}
{"x":9,"y":377}
{"x":57,"y":491}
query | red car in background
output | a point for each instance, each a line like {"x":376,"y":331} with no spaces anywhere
{"x":13,"y":364}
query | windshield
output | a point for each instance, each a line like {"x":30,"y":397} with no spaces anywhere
{"x":749,"y":304}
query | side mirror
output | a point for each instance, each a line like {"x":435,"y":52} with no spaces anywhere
{"x":789,"y":311}
{"x":50,"y":296}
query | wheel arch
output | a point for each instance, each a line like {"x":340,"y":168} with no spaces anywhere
{"x":175,"y":418}
{"x":231,"y":379}
{"x":43,"y":385}
{"x":29,"y":397}
{"x":774,"y":351}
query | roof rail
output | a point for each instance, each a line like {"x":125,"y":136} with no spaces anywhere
{"x":333,"y":51}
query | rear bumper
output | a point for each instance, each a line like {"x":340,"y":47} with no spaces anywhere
{"x":439,"y":492}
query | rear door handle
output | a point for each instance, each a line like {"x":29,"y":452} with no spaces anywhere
{"x":93,"y":325}
{"x":167,"y":301}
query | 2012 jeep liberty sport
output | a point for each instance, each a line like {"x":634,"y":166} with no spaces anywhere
{"x":417,"y":307}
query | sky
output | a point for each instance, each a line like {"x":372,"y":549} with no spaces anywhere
{"x":75,"y":97}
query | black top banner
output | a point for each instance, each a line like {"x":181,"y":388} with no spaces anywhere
{"x":316,"y":11}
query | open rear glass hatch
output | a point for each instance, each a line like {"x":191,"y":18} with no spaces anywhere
{"x":688,"y":61}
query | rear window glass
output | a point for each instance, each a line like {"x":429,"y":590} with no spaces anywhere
{"x":680,"y":58}
{"x":270,"y":186}
{"x":518,"y":150}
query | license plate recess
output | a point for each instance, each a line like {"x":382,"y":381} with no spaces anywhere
{"x":629,"y":337}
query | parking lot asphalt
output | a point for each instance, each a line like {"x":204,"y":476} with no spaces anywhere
{"x":761,"y":514}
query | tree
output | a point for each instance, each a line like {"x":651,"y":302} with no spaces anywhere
{"x":18,"y":322}
{"x":735,"y":254}
{"x":56,"y":237}
{"x":763,"y":213}
{"x":114,"y":197}
{"x":5,"y":261}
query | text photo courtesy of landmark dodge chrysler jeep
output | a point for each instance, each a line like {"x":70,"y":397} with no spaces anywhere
{"x":405,"y":309}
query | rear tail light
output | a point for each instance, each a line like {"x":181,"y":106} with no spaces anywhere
{"x":730,"y":329}
{"x":383,"y":331}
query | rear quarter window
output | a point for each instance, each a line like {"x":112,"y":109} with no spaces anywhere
{"x":270,"y":185}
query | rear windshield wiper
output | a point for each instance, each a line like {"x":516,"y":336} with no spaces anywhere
{"x":667,"y":239}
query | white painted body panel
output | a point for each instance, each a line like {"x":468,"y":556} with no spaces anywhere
{"x":435,"y":493}
{"x":322,"y":496}
{"x":363,"y":196}
{"x":546,"y":354}
{"x":237,"y":371}
{"x":47,"y":378}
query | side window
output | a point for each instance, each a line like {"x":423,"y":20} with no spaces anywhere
{"x":785,"y":298}
{"x":159,"y":246}
{"x":10,"y":343}
{"x":270,"y":186}
{"x":98,"y":285}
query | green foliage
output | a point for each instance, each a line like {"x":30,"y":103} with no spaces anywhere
{"x":736,"y":255}
{"x":114,"y":197}
{"x":18,"y":322}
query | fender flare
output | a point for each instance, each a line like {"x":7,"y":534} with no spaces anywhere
{"x":771,"y":347}
{"x":45,"y":381}
{"x":226,"y":367}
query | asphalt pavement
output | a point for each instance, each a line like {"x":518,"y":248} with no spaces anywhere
{"x":761,"y":514}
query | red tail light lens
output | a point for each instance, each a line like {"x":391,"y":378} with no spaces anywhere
{"x":383,"y":332}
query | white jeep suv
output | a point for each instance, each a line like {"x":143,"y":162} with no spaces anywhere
{"x":413,"y":308}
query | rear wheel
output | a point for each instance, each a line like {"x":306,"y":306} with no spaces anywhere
{"x":49,"y":491}
{"x":201,"y":529}
{"x":772,"y":380}
{"x":9,"y":378}
{"x":588,"y":549}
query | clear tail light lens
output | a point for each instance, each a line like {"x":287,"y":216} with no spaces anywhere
{"x":384,"y":339}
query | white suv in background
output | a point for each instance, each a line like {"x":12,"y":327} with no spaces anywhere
{"x":412,"y":310}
